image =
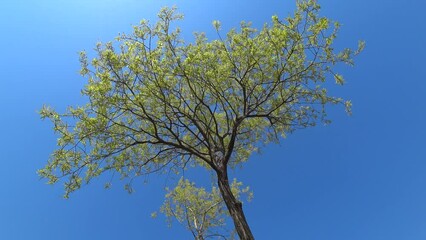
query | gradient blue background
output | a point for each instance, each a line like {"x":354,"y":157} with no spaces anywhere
{"x":362,"y":177}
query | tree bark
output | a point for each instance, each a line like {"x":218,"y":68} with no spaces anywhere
{"x":234,"y":206}
{"x":199,"y":237}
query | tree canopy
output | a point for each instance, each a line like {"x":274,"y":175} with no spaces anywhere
{"x":157,"y":103}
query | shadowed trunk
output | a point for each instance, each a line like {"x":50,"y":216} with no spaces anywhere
{"x":234,"y":206}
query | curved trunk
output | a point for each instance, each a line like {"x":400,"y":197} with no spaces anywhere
{"x":234,"y":206}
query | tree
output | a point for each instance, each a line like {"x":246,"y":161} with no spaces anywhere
{"x":158,"y":104}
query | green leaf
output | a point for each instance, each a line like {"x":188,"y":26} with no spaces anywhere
{"x":339,"y":79}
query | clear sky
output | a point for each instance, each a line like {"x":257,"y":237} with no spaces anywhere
{"x":362,"y":177}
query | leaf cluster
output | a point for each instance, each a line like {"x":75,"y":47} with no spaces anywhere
{"x":202,"y":212}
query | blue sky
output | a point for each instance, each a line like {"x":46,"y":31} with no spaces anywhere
{"x":362,"y":177}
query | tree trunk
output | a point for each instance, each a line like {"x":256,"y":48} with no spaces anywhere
{"x":234,"y":206}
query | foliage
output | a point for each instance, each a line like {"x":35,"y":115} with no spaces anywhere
{"x":202,"y":212}
{"x":159,"y":104}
